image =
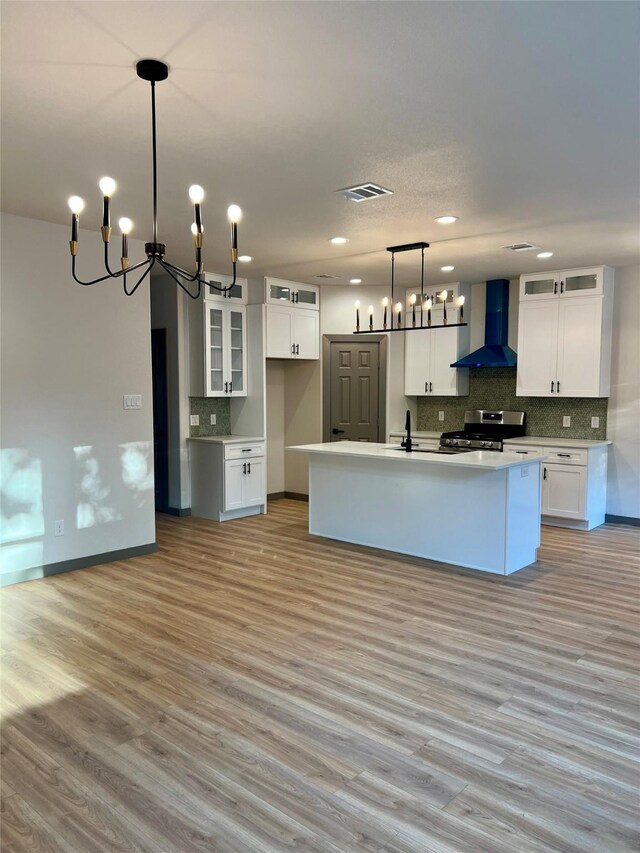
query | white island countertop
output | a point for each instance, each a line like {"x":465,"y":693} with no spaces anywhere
{"x":546,"y":441}
{"x":226,"y":439}
{"x":486,"y":460}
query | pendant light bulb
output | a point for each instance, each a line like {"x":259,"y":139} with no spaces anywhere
{"x":76,"y":204}
{"x":444,"y":295}
{"x":125,"y":225}
{"x":196,"y":193}
{"x":385,"y":302}
{"x":234,"y":213}
{"x":357,"y":303}
{"x":412,"y":299}
{"x":195,"y":230}
{"x":107,"y":186}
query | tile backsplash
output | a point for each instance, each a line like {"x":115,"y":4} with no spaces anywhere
{"x":204,"y":407}
{"x":495,"y":388}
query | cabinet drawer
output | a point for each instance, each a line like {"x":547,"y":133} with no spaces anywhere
{"x":523,"y":449}
{"x":243,"y":451}
{"x":566,"y":456}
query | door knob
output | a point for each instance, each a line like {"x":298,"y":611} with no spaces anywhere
{"x":337,"y":431}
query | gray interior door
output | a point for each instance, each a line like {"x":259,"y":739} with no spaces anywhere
{"x":355,"y":388}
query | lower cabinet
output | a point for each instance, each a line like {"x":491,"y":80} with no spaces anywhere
{"x":227,"y":478}
{"x":574,"y":484}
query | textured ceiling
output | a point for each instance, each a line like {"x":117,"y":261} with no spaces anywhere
{"x":523,"y":119}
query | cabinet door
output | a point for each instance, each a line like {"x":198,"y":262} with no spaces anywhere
{"x":417,"y":363}
{"x":234,"y":484}
{"x":444,"y":351}
{"x":543,"y":285}
{"x":537,"y":349}
{"x":278,"y":291}
{"x":214,"y":366}
{"x":564,"y":491}
{"x":306,"y":333}
{"x":254,"y":491}
{"x":579,"y":347}
{"x":306,"y":295}
{"x":236,"y":351}
{"x":587,"y":282}
{"x":279,"y":331}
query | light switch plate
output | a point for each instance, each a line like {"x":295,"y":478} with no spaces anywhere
{"x":58,"y":527}
{"x":566,"y":421}
{"x":212,"y":420}
{"x":440,"y":416}
{"x":194,"y":420}
{"x":595,"y":423}
{"x":132,"y":401}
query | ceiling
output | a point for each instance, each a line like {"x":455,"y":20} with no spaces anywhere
{"x":521,"y":118}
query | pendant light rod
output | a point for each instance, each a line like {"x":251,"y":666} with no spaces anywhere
{"x":153,"y":71}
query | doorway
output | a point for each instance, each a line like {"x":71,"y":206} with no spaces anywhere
{"x":354,"y":388}
{"x":160,"y":418}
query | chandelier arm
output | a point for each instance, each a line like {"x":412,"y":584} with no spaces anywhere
{"x":170,"y":269}
{"x":140,"y":280}
{"x":106,"y":260}
{"x":104,"y":277}
{"x":185,"y":275}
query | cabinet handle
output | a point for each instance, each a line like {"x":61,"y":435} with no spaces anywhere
{"x":226,"y":387}
{"x":293,"y":349}
{"x":246,"y":450}
{"x":426,"y":387}
{"x":231,"y":387}
{"x":565,"y":455}
{"x":562,"y":287}
{"x":431,"y":387}
{"x":558,"y":384}
{"x":244,"y":468}
{"x":248,"y":467}
{"x":524,"y":452}
{"x":297,"y":349}
{"x":555,"y":286}
{"x":544,"y":473}
{"x":552,"y":385}
{"x":297,"y":296}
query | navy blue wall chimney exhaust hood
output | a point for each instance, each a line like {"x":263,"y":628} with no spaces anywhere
{"x":495,"y":352}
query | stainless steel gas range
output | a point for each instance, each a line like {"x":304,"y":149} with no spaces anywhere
{"x":484,"y":429}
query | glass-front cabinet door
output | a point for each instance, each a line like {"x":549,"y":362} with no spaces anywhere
{"x":237,"y":294}
{"x":588,"y":282}
{"x":279,"y":291}
{"x":545,"y":285}
{"x":225,"y":365}
{"x":306,"y":295}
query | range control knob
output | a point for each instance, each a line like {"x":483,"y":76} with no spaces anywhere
{"x":466,"y":442}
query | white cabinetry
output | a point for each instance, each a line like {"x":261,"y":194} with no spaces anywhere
{"x":227,"y":478}
{"x":292,"y":320}
{"x":237,"y":293}
{"x":225,"y":350}
{"x":564,"y":333}
{"x":574,"y":483}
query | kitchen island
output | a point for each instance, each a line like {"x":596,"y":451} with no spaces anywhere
{"x":480,"y":510}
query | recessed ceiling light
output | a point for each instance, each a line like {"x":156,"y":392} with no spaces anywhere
{"x":448,"y":268}
{"x":544,"y":255}
{"x":355,"y":281}
{"x":245,"y":258}
{"x":446,"y":220}
{"x":338,"y":241}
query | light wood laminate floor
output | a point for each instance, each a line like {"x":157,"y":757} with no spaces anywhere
{"x":253,"y":688}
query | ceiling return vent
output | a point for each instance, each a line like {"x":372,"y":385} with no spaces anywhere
{"x":521,"y":247}
{"x":364,"y":192}
{"x":327,"y":275}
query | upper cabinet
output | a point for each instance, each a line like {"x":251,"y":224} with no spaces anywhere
{"x":225,"y":350}
{"x":292,"y":319}
{"x":429,"y":354}
{"x":279,"y":292}
{"x":563,"y":284}
{"x":564,"y":333}
{"x":237,"y":294}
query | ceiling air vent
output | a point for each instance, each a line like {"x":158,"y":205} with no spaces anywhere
{"x":364,"y":192}
{"x":327,"y":275}
{"x":521,"y":247}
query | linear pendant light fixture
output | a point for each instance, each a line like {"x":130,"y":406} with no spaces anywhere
{"x":426,"y":302}
{"x":153,"y":71}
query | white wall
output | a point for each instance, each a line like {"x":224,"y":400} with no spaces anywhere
{"x":275,"y":425}
{"x":623,"y":419}
{"x":69,"y":449}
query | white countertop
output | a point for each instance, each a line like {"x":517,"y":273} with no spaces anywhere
{"x":547,"y":441}
{"x":486,"y":460}
{"x":226,"y":439}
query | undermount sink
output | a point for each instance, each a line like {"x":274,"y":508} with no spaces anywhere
{"x":427,"y":450}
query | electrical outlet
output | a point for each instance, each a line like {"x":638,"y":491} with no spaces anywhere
{"x":58,"y":527}
{"x":213,"y":420}
{"x":440,"y":416}
{"x":595,"y":423}
{"x":194,"y":420}
{"x":566,"y":421}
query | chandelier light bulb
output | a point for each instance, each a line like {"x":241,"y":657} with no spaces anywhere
{"x":107,"y":186}
{"x":234,"y":213}
{"x":196,"y":193}
{"x":357,"y":303}
{"x":125,"y":225}
{"x":245,"y":259}
{"x":461,"y":300}
{"x":429,"y":303}
{"x":195,"y":230}
{"x":444,"y":295}
{"x":412,"y":299}
{"x":76,"y":204}
{"x":385,"y":302}
{"x":398,"y":307}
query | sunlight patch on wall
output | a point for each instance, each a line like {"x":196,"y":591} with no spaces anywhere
{"x":136,"y":461}
{"x":21,"y":515}
{"x":93,"y":493}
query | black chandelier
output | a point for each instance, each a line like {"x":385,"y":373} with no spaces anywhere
{"x":427,"y":302}
{"x":153,"y":71}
